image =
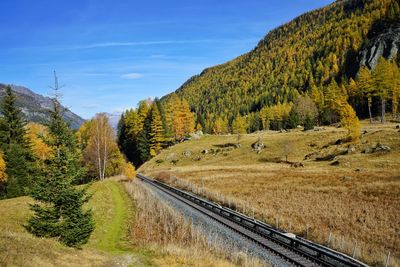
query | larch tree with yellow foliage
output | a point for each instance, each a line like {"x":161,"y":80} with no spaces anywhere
{"x":3,"y":174}
{"x":366,"y":85}
{"x":383,"y":82}
{"x":129,"y":171}
{"x":349,"y":120}
{"x":36,"y":134}
{"x":156,"y":135}
{"x":183,"y":121}
{"x":239,"y":125}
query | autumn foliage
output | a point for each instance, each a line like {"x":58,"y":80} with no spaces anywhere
{"x":144,"y":131}
{"x":129,"y":171}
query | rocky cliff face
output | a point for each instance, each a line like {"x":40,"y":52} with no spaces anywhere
{"x":35,"y":106}
{"x":383,"y":40}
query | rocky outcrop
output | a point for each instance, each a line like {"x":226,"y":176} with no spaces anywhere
{"x":383,"y":40}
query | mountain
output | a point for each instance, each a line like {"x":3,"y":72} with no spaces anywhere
{"x":35,"y":106}
{"x":321,"y":46}
{"x":113,"y":119}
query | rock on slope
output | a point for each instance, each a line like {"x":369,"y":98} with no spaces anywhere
{"x":35,"y":106}
{"x":384,"y":40}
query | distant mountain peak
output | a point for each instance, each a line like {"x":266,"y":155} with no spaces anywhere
{"x":36,"y":107}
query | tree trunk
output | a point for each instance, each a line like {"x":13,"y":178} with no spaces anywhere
{"x":105,"y":150}
{"x":369,"y":110}
{"x":383,"y":110}
{"x":98,"y":150}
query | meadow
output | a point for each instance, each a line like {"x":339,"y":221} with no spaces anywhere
{"x":133,"y":228}
{"x":346,"y":195}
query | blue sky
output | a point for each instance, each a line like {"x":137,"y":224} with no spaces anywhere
{"x":111,"y":54}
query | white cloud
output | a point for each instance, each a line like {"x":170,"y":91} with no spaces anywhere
{"x":132,"y":76}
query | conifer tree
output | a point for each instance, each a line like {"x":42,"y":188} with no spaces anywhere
{"x":349,"y":120}
{"x":3,"y":176}
{"x":383,"y":81}
{"x":142,"y":141}
{"x":156,"y":135}
{"x":396,"y":88}
{"x":187,"y":117}
{"x":121,"y":132}
{"x":18,"y":155}
{"x":352,"y":88}
{"x":218,"y":127}
{"x":58,"y":211}
{"x":308,"y":123}
{"x":183,"y":120}
{"x":171,"y":106}
{"x":161,"y":110}
{"x":130,"y":137}
{"x":239,"y":125}
{"x":142,"y":113}
{"x":293,"y":119}
{"x":366,"y":85}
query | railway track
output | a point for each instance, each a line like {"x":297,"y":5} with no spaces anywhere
{"x":296,"y":251}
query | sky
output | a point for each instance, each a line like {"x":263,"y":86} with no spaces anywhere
{"x":110,"y":54}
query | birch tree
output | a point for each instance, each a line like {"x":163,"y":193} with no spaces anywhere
{"x":101,"y":144}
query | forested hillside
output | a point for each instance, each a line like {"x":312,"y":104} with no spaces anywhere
{"x":318,"y":54}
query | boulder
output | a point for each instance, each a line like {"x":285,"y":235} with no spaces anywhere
{"x":335,"y":163}
{"x":297,"y":165}
{"x":351,"y":149}
{"x":187,"y":153}
{"x":312,"y":155}
{"x":170,"y":156}
{"x":258,"y":145}
{"x":197,"y":158}
{"x":194,"y":136}
{"x":368,"y":150}
{"x":204,"y":151}
{"x":378,"y":148}
{"x":382,"y":148}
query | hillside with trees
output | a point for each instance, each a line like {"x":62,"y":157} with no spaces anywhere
{"x":323,"y":55}
{"x":144,"y":131}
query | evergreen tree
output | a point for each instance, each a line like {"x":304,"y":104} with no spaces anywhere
{"x":308,"y":123}
{"x":129,"y":143}
{"x":18,"y":155}
{"x":142,"y":141}
{"x":161,"y":110}
{"x":58,"y":211}
{"x":293,"y":119}
{"x":156,"y":135}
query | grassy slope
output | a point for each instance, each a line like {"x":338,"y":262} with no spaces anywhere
{"x":356,"y":200}
{"x":106,"y":246}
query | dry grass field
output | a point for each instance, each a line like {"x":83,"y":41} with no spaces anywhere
{"x":158,"y":227}
{"x":345,"y":197}
{"x":133,"y":229}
